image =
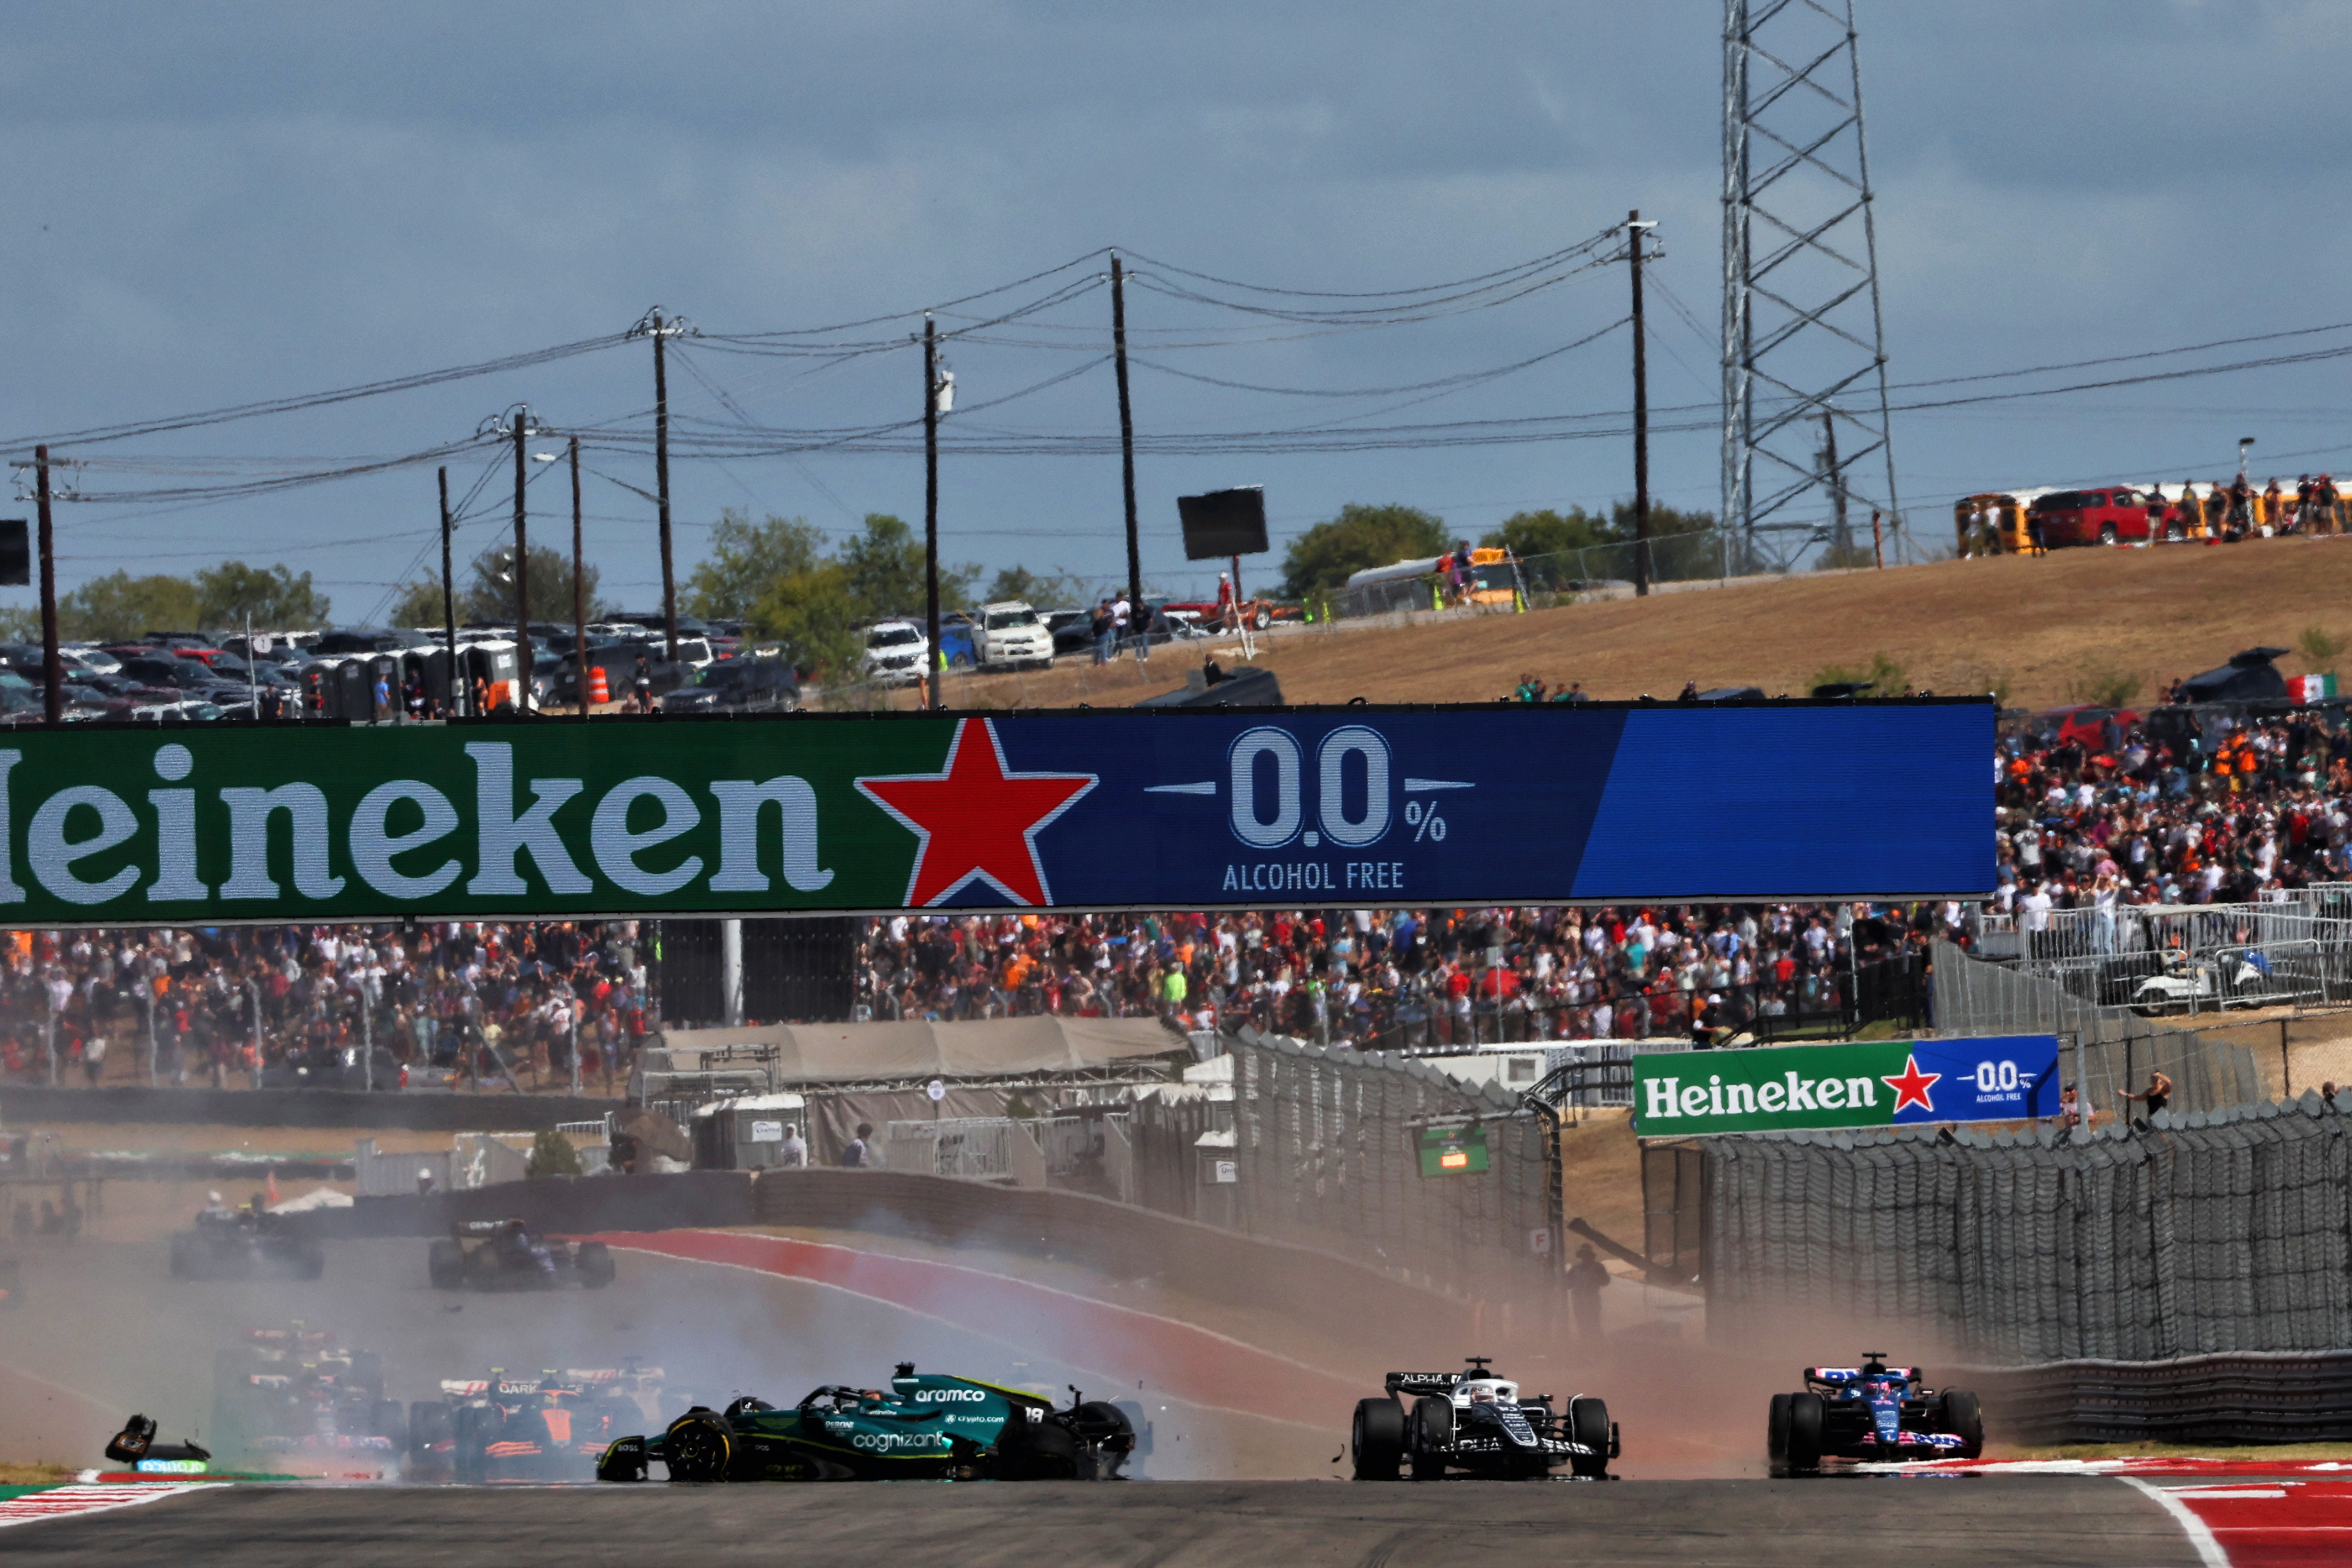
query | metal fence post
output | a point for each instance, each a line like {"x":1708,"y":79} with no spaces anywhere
{"x":148,"y":991}
{"x":367,"y":1037}
{"x":50,"y":1039}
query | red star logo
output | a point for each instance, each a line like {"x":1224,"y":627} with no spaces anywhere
{"x":973,"y":820}
{"x":1912,"y":1088}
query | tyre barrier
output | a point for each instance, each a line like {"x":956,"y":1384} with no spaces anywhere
{"x":2249,"y":1396}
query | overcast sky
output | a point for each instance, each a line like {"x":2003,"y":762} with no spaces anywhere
{"x":215,"y":203}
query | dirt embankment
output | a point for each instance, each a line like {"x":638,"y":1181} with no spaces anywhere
{"x":2043,"y":631}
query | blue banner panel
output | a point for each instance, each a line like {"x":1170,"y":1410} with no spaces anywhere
{"x":1183,"y":810}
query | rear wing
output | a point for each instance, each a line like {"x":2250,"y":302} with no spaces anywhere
{"x":1421,"y":1381}
{"x":1851,"y":1376}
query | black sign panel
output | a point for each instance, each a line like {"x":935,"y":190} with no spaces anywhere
{"x":1223,"y":523}
{"x":15,"y":554}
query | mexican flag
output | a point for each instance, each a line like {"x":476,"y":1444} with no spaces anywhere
{"x":2310,"y":687}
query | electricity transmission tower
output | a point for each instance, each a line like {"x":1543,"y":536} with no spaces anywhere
{"x":1803,"y":340}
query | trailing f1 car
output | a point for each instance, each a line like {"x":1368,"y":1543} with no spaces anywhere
{"x":243,"y":1243}
{"x":505,"y":1255}
{"x":1472,"y":1420}
{"x":553,"y":1427}
{"x":926,"y":1427}
{"x":1872,"y":1412}
{"x":292,"y":1392}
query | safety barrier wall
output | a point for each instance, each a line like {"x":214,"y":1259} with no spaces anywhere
{"x":2245,"y":1397}
{"x":2119,"y":1047}
{"x":417,"y":1112}
{"x":2205,"y":1234}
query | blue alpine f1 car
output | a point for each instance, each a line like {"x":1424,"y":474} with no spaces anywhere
{"x":1872,"y":1412}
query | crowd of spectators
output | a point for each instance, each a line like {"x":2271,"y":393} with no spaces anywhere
{"x":1381,"y":979}
{"x":2205,"y":809}
{"x":461,"y":1004}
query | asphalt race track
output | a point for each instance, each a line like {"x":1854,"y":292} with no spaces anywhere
{"x":2095,"y":1521}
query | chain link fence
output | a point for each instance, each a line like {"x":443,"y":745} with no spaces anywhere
{"x":2208,"y":1232}
{"x":2111,"y":1050}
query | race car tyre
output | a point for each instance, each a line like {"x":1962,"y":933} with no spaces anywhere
{"x":1432,"y":1436}
{"x":1261,"y":619}
{"x":1036,"y":1451}
{"x":698,"y":1446}
{"x":429,"y":1423}
{"x":1376,"y":1440}
{"x":1805,"y":1416}
{"x":1103,"y":1427}
{"x":1964,"y":1418}
{"x":445,"y":1263}
{"x":471,"y":1459}
{"x":594,"y":1261}
{"x":1775,"y":1430}
{"x":1588,"y":1423}
{"x":187,"y":1257}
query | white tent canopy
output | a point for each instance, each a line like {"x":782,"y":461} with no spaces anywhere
{"x":867,"y":1053}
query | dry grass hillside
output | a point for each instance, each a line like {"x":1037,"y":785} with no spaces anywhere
{"x":2042,"y":631}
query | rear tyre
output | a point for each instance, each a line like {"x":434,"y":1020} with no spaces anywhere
{"x":1964,"y":1418}
{"x":2106,"y":533}
{"x":1775,"y":1430}
{"x":1588,"y":1423}
{"x":698,"y":1446}
{"x":1042,"y":1451}
{"x":1376,"y":1439}
{"x":1261,"y":619}
{"x":429,"y":1423}
{"x":1107,"y":1436}
{"x":594,"y":1261}
{"x":445,"y":1263}
{"x":1432,"y":1438}
{"x":470,"y":1457}
{"x":1805,"y":1416}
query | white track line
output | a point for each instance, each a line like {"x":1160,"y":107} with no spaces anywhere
{"x":65,"y":1502}
{"x":2200,"y":1533}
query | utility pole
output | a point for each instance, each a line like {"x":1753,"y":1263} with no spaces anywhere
{"x":449,"y":608}
{"x":521,"y":568}
{"x":1137,"y":620}
{"x":579,"y":593}
{"x":1843,"y":537}
{"x":1635,"y":227}
{"x":933,"y":657}
{"x":53,"y":674}
{"x":658,"y":330}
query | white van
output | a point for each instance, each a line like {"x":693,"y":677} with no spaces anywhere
{"x":1010,"y":635}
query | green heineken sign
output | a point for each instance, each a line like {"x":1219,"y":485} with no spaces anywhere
{"x":1452,"y":1151}
{"x":1873,"y":1083}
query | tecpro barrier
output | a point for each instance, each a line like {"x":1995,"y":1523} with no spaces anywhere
{"x":855,"y":812}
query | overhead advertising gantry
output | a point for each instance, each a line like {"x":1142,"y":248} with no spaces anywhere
{"x":825,"y":814}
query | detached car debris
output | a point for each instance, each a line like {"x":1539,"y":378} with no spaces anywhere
{"x":136,"y":1446}
{"x":507,"y":1255}
{"x":924,"y":1427}
{"x":1474,"y":1421}
{"x":1872,"y":1412}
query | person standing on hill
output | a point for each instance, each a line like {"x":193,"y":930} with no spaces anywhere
{"x":1586,"y":1279}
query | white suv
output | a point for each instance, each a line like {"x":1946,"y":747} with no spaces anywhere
{"x":894,"y":653}
{"x":1009,"y":635}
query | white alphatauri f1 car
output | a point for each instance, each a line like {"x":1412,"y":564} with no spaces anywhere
{"x":1474,"y":1421}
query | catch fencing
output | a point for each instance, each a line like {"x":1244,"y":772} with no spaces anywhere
{"x":2190,"y":958}
{"x":2247,"y":1396}
{"x":2209,"y":1233}
{"x":2119,"y":1050}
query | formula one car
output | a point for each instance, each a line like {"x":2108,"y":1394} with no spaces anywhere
{"x":290,"y":1391}
{"x":505,"y":1255}
{"x":553,"y":1427}
{"x":1472,"y":1420}
{"x":926,"y":1427}
{"x":1872,"y":1412}
{"x":244,"y":1244}
{"x":136,"y":1446}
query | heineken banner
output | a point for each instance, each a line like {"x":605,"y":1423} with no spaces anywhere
{"x":1863,"y":1083}
{"x":821,"y":812}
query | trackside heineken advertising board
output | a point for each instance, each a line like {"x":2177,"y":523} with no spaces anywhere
{"x":1870,"y":1083}
{"x":834,"y":812}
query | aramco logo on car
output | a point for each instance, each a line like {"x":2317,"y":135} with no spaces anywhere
{"x":1870,"y":1083}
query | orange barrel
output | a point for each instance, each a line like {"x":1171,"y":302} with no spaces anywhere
{"x":599,"y":691}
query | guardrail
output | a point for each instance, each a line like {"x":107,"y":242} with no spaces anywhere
{"x":2247,"y":1396}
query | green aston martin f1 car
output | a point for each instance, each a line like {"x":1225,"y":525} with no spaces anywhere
{"x":924,"y":1428}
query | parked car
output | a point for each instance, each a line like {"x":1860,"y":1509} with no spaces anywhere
{"x":894,"y":653}
{"x":1011,"y":636}
{"x":2121,"y":516}
{"x":739,"y":686}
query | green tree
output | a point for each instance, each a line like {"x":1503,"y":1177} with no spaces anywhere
{"x":20,"y":625}
{"x":884,"y":572}
{"x":1326,"y":554}
{"x":551,"y":1155}
{"x":419,"y":605}
{"x":746,"y":559}
{"x":488,"y":595}
{"x":119,"y":607}
{"x":1057,"y":592}
{"x":273,"y":596}
{"x":813,"y":614}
